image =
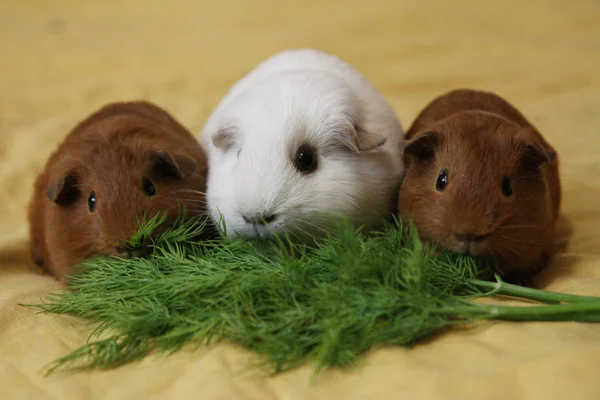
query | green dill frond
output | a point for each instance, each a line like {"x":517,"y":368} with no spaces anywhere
{"x":290,"y":302}
{"x":146,"y":228}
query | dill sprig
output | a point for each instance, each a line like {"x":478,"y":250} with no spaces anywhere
{"x":327,"y":302}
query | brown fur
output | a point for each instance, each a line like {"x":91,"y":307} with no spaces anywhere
{"x":109,"y":153}
{"x":479,"y":138}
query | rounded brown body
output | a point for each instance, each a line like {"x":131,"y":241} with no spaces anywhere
{"x":123,"y":162}
{"x":481,"y":180}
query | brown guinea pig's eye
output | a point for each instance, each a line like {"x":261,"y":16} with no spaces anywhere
{"x":507,"y":186}
{"x":148,"y":187}
{"x":305,"y":159}
{"x":92,"y":202}
{"x":442,"y":181}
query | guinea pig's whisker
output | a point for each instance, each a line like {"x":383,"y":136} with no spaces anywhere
{"x":312,"y":225}
{"x":198,"y":192}
{"x":516,"y":239}
{"x":297,"y":228}
{"x":190,"y":202}
{"x":302,"y":222}
{"x":512,"y":240}
{"x":315,"y":214}
{"x":186,"y":196}
{"x":177,"y":206}
{"x":507,"y":236}
{"x":195,"y":211}
{"x":187,"y":200}
{"x":295,"y":235}
{"x":512,"y":249}
{"x":296,"y":223}
{"x":515,"y":227}
{"x":504,"y":225}
{"x":505,"y":250}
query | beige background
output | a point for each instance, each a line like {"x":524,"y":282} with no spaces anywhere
{"x":61,"y":59}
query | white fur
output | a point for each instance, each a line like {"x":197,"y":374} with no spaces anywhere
{"x":292,"y":98}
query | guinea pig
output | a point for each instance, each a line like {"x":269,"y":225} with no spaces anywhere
{"x":125,"y":161}
{"x":299,"y":141}
{"x":481,"y":180}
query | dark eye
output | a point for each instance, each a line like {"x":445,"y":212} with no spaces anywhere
{"x":442,"y":181}
{"x":92,"y":202}
{"x":148,"y":187}
{"x":305,"y":160}
{"x":506,"y":186}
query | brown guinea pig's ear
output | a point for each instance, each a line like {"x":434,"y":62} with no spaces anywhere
{"x":166,"y":165}
{"x":63,"y":190}
{"x":422,"y":145}
{"x":535,"y":154}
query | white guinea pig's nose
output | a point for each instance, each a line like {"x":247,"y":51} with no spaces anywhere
{"x":259,"y":219}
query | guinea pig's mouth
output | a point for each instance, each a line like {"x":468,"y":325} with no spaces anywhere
{"x":471,"y":245}
{"x":264,"y":232}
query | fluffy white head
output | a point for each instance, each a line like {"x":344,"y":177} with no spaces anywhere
{"x":293,"y":150}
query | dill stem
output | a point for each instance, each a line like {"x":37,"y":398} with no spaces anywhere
{"x":544,"y":296}
{"x":576,"y":312}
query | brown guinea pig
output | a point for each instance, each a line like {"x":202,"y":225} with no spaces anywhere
{"x":126,"y":160}
{"x":481,"y":180}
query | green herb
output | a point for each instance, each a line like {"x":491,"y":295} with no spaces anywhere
{"x":328,"y":302}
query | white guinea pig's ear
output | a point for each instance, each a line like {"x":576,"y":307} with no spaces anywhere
{"x":367,"y":140}
{"x":422,"y":145}
{"x":361,"y":140}
{"x":225,"y":138}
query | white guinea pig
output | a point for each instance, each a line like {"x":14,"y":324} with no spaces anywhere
{"x":302,"y":137}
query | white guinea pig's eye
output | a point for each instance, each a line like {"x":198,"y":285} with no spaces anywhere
{"x":238,"y":153}
{"x":305,"y":159}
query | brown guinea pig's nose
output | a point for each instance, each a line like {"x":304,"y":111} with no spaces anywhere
{"x":125,"y":252}
{"x":469,"y":237}
{"x":470,"y":243}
